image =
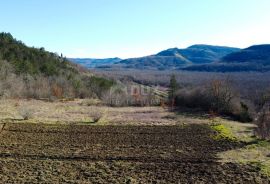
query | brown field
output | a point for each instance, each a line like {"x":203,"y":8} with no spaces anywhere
{"x":148,"y":145}
{"x":116,"y":154}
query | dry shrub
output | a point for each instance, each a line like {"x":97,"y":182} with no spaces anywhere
{"x":193,"y":98}
{"x":57,"y":91}
{"x":40,"y":88}
{"x":10,"y":84}
{"x":263,"y":123}
{"x":96,"y":116}
{"x":217,"y":97}
{"x":26,"y":113}
{"x":221,"y":94}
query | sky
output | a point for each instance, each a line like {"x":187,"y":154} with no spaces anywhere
{"x":134,"y":28}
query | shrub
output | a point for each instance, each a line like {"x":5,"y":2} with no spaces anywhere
{"x":57,"y":91}
{"x":244,"y":115}
{"x":193,"y":98}
{"x":217,"y":97}
{"x":96,"y":116}
{"x":263,"y":122}
{"x":26,"y":113}
{"x":220,"y":95}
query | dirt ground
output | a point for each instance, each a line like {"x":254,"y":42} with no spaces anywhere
{"x":59,"y":142}
{"x":40,"y":153}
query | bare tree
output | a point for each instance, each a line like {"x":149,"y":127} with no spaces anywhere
{"x":263,"y":116}
{"x":221,"y":95}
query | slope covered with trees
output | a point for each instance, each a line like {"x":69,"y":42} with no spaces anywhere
{"x":29,"y":59}
{"x":35,"y":73}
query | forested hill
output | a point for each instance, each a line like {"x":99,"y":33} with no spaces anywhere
{"x":30,"y":60}
{"x":254,"y":58}
{"x":35,"y":73}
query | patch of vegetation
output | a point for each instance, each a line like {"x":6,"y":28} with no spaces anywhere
{"x":100,"y":84}
{"x":264,"y":168}
{"x":259,"y":144}
{"x":217,"y":97}
{"x":256,"y":152}
{"x":26,"y":113}
{"x":91,"y":102}
{"x":223,"y":132}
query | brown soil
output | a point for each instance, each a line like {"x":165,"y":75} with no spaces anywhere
{"x":36,"y":153}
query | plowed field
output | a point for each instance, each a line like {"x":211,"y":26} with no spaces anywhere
{"x":36,"y":153}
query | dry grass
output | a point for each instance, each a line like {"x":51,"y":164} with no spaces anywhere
{"x":81,"y":111}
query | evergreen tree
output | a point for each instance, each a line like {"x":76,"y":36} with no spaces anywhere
{"x":173,"y":89}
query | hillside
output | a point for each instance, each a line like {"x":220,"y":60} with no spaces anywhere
{"x":154,"y":62}
{"x":259,"y":54}
{"x":175,"y":58}
{"x":199,"y":54}
{"x":254,"y":58}
{"x":30,"y":60}
{"x":35,"y":73}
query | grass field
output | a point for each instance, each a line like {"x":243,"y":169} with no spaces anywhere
{"x":60,"y":143}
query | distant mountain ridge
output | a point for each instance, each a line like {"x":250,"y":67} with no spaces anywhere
{"x":254,"y":58}
{"x":175,"y":58}
{"x":256,"y":53}
{"x":198,"y":54}
{"x":93,"y":63}
{"x":195,"y":58}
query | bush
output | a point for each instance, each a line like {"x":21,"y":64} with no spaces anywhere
{"x":193,"y":98}
{"x":263,"y":122}
{"x":96,"y":116}
{"x":217,"y":97}
{"x":244,"y":115}
{"x":26,"y":113}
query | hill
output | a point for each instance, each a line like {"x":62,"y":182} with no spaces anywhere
{"x":154,"y":62}
{"x":175,"y":58}
{"x":30,"y":60}
{"x":199,"y":54}
{"x":254,"y":58}
{"x":259,"y":54}
{"x":35,"y":73}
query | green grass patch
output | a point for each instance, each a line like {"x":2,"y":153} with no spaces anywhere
{"x":264,"y":168}
{"x":223,"y":132}
{"x":259,"y":144}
